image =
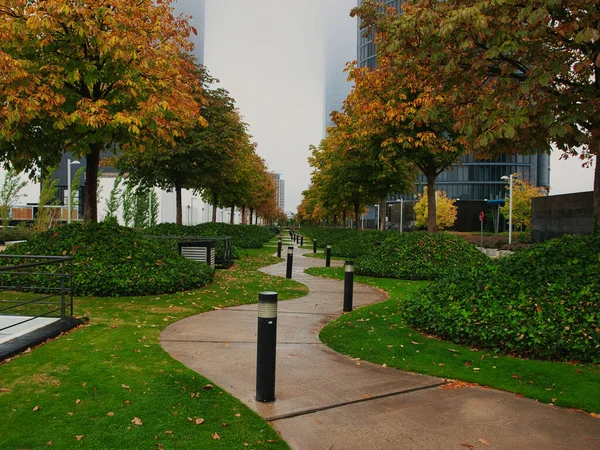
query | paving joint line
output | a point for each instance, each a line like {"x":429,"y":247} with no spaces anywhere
{"x":200,"y":341}
{"x":350,"y":402}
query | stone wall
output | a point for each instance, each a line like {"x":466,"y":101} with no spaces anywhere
{"x":557,"y":215}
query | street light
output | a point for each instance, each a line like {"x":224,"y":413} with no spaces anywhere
{"x":69,"y":163}
{"x":510,"y":195}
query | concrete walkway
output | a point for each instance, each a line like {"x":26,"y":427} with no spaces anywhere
{"x":329,"y":401}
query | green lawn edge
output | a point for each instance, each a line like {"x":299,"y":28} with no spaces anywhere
{"x":109,"y":384}
{"x":377,"y":333}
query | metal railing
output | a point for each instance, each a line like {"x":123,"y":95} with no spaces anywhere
{"x":35,"y":286}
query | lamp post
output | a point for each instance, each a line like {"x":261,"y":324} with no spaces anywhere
{"x":510,"y":195}
{"x":69,"y":163}
{"x":377,"y":217}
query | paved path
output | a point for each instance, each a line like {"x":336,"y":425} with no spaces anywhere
{"x":329,"y":401}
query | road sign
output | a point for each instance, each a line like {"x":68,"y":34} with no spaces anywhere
{"x":481,"y":216}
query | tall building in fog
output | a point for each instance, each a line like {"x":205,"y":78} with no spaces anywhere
{"x":279,"y":190}
{"x":472,"y":179}
{"x":340,"y":48}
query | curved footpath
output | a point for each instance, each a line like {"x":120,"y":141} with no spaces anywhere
{"x":329,"y":401}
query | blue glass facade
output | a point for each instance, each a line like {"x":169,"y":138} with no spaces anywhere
{"x":472,"y":179}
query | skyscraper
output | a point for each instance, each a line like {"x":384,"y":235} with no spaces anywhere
{"x":472,"y":179}
{"x":279,"y":190}
{"x":340,"y":48}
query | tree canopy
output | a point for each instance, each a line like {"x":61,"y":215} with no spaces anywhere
{"x":84,"y":76}
{"x":515,"y":76}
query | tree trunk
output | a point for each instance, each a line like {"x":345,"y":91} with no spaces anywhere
{"x":90,"y":192}
{"x":251,"y":214}
{"x":214,"y":205}
{"x":356,"y":217}
{"x":431,"y":204}
{"x":344,"y":217}
{"x":244,"y":215}
{"x":232,"y":215}
{"x":178,"y":205}
{"x":382,"y":213}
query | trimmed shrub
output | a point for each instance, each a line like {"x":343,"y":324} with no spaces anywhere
{"x":18,"y":233}
{"x":420,"y":256}
{"x":111,"y":260}
{"x":244,"y":236}
{"x":539,"y":303}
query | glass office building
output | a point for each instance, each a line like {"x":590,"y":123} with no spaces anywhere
{"x":473,"y":179}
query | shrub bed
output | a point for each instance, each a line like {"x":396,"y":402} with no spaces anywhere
{"x":539,"y":303}
{"x":244,"y":236}
{"x":346,"y":242}
{"x":419,"y":256}
{"x":111,"y":260}
{"x":18,"y":233}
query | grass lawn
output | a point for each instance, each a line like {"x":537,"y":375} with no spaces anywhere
{"x":110,"y":385}
{"x":377,"y":333}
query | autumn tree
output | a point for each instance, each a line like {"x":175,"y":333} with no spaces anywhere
{"x":523,"y":192}
{"x":83,"y":76}
{"x":445,"y":210}
{"x":412,"y":122}
{"x":205,"y":158}
{"x":517,"y":76}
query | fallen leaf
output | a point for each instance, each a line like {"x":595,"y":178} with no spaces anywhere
{"x":484,"y":441}
{"x":110,"y":414}
{"x":69,"y":413}
{"x":224,"y":425}
{"x":208,"y":386}
{"x":515,"y":376}
{"x":137,"y":421}
{"x":216,"y":436}
{"x":124,"y":386}
{"x":168,"y":432}
{"x":519,"y":395}
{"x":318,"y":422}
{"x":36,"y":407}
{"x":77,"y":402}
{"x":80,"y":437}
{"x":50,"y":443}
{"x":238,"y":415}
{"x":4,"y":390}
{"x":159,"y":446}
{"x":416,"y":343}
{"x":468,"y":446}
{"x":199,"y":421}
{"x":367,"y":396}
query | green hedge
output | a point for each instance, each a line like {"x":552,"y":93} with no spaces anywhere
{"x":18,"y":233}
{"x":244,"y":236}
{"x":420,"y":255}
{"x":111,"y":260}
{"x":542,"y":303}
{"x":346,"y":242}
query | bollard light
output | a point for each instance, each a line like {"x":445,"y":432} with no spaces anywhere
{"x":266,"y":346}
{"x":279,"y":245}
{"x":302,"y":241}
{"x":348,"y":285}
{"x":314,"y":246}
{"x":328,"y":256}
{"x":290,"y":259}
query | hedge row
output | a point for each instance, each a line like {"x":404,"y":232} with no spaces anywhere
{"x":111,"y":260}
{"x":244,"y":236}
{"x":538,"y":303}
